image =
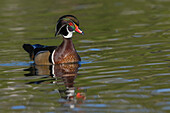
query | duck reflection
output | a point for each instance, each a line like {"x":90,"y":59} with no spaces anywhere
{"x":63,"y":75}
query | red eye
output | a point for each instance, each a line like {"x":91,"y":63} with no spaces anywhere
{"x":71,"y":24}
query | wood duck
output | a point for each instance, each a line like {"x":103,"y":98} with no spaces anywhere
{"x":65,"y":53}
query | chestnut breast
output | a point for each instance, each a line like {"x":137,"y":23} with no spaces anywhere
{"x":65,"y":53}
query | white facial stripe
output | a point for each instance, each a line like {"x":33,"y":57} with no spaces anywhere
{"x":60,"y":29}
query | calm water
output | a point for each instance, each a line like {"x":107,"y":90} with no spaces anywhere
{"x":125,"y":57}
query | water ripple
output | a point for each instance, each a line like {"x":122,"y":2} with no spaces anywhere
{"x":118,"y":71}
{"x":115,"y":80}
{"x":95,"y":105}
{"x":126,"y":67}
{"x":18,"y":107}
{"x":150,"y":64}
{"x":145,"y":45}
{"x":162,"y":74}
{"x":161,"y":91}
{"x":17,"y":64}
{"x":132,"y":95}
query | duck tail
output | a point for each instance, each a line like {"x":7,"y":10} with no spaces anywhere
{"x":30,"y":49}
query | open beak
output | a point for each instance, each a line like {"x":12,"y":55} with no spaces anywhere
{"x":78,"y":30}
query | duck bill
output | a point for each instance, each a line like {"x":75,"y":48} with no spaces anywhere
{"x":78,"y":30}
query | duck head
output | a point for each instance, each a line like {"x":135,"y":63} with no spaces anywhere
{"x":67,"y":25}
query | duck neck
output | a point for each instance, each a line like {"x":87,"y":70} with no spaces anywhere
{"x":67,"y":44}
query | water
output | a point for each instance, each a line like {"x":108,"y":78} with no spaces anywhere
{"x":125,"y":55}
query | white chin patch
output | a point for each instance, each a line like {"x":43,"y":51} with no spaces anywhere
{"x":70,"y":34}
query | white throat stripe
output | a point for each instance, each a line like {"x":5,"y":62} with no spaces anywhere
{"x":70,"y":34}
